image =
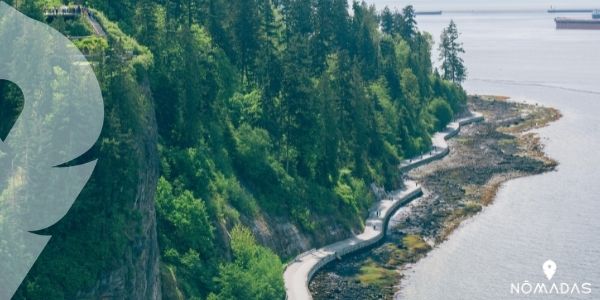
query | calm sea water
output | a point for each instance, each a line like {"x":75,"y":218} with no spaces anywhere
{"x":486,"y":5}
{"x":551,"y":216}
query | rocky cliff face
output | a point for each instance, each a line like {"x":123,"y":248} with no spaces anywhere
{"x":143,"y":259}
{"x":139,"y":276}
{"x":288,"y":240}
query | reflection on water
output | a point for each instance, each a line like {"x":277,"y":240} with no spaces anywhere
{"x":552,"y":216}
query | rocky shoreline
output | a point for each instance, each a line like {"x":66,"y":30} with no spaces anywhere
{"x":483,"y":156}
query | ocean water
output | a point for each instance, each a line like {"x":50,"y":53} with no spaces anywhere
{"x":484,"y":5}
{"x":550,"y":216}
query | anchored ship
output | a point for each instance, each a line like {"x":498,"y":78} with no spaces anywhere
{"x":572,"y":23}
{"x":434,"y":12}
{"x":560,"y":11}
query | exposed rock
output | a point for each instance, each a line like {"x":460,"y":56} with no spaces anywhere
{"x":287,"y":240}
{"x":483,"y":157}
{"x":138,"y":277}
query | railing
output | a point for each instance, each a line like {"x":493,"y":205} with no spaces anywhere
{"x":363,"y":244}
{"x":329,"y":253}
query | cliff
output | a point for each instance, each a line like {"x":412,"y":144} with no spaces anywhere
{"x":138,"y":275}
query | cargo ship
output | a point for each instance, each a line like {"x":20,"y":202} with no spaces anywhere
{"x":561,"y":11}
{"x":428,"y":13}
{"x":570,"y":23}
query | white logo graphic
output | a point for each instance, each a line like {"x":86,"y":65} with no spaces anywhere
{"x":60,"y":120}
{"x":549,"y":269}
{"x":550,"y":288}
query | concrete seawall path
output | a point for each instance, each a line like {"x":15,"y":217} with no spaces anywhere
{"x":301,"y":270}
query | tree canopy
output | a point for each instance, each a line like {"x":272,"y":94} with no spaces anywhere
{"x":265,"y":110}
{"x":453,"y":66}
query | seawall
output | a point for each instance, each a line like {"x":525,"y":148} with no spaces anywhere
{"x":302,"y":269}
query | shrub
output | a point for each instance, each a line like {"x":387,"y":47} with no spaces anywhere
{"x":255,"y":273}
{"x":442,"y":112}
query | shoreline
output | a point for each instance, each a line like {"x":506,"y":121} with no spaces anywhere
{"x":299,"y":273}
{"x":484,"y":157}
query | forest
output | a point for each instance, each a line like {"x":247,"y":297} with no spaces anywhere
{"x":247,"y":110}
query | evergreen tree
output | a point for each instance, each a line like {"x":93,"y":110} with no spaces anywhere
{"x":398,"y":23}
{"x":246,"y":28}
{"x":148,"y":30}
{"x":287,"y":109}
{"x":450,"y":50}
{"x":216,"y":23}
{"x":409,"y":27}
{"x":387,"y":21}
{"x":340,"y":19}
{"x":299,"y":17}
{"x":300,"y":109}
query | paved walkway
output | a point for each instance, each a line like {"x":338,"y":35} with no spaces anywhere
{"x":98,"y":30}
{"x":76,"y":11}
{"x":301,"y":270}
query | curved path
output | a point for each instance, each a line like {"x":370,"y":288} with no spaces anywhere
{"x":301,"y":270}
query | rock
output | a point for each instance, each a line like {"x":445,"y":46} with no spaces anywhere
{"x":139,"y":275}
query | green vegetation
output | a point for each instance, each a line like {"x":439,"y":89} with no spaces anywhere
{"x":255,"y":272}
{"x":372,"y":274}
{"x":103,"y":223}
{"x":442,"y":112}
{"x":77,"y":27}
{"x":450,"y":50}
{"x":382,"y":271}
{"x":286,"y":109}
{"x":415,"y":244}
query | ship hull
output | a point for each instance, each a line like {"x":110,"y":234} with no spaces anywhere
{"x":559,"y":11}
{"x":428,"y":13}
{"x":563,"y":23}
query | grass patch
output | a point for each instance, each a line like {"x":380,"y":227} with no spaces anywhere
{"x":415,"y":244}
{"x":372,"y":274}
{"x":472,"y":208}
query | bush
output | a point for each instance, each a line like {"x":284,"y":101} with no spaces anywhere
{"x":442,"y":112}
{"x":236,"y":195}
{"x":255,"y":273}
{"x":184,"y":219}
{"x":253,"y":146}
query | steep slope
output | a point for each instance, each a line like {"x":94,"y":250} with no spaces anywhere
{"x":107,"y":244}
{"x":274,"y":121}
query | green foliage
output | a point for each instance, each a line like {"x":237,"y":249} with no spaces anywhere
{"x":101,"y":226}
{"x":353,"y":192}
{"x":264,"y":109}
{"x":185,"y":218}
{"x":253,"y":146}
{"x":72,"y":27}
{"x":92,"y":45}
{"x":442,"y":111}
{"x":238,"y":196}
{"x":128,"y":46}
{"x":415,"y":244}
{"x":372,"y":274}
{"x":11,"y":106}
{"x":247,"y":108}
{"x":409,"y":27}
{"x":255,"y":272}
{"x":453,"y":65}
{"x":185,"y":234}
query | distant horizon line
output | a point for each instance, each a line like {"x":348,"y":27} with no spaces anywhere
{"x":515,"y":10}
